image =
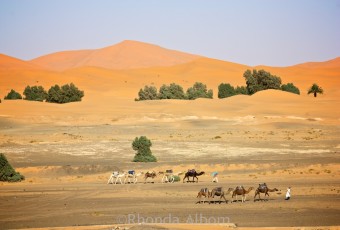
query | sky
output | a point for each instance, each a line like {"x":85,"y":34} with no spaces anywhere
{"x":251,"y":32}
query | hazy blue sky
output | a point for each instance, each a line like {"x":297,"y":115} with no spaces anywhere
{"x":270,"y":32}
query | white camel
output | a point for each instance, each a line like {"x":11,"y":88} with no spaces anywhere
{"x":133,"y":176}
{"x":118,"y":177}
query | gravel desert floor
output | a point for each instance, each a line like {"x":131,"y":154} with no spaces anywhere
{"x":67,"y":169}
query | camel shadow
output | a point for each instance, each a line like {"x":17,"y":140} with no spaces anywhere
{"x":263,"y":199}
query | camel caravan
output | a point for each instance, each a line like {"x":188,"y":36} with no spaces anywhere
{"x":131,"y":177}
{"x":206,"y":195}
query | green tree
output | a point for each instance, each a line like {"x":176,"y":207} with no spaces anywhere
{"x":64,"y":94}
{"x":199,"y":90}
{"x":172,"y":91}
{"x":7,"y":172}
{"x":315,"y":89}
{"x":148,"y":93}
{"x":35,"y":93}
{"x":241,"y":90}
{"x":13,"y":95}
{"x":290,"y":87}
{"x":142,"y":146}
{"x":225,"y":90}
{"x":260,"y":80}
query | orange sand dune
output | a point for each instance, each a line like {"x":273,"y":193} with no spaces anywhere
{"x":125,"y":55}
{"x":11,"y":63}
{"x":106,"y":87}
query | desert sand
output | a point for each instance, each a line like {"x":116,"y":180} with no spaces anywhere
{"x":67,"y":152}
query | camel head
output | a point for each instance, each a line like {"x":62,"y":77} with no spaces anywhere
{"x":250,"y":188}
{"x":230,"y":190}
{"x":200,"y":173}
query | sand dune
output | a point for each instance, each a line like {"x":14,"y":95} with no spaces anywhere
{"x":125,"y":55}
{"x":11,"y":63}
{"x":113,"y":91}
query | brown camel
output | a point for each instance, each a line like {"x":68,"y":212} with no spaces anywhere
{"x":192,"y":173}
{"x":151,"y":174}
{"x":219,"y":191}
{"x":263,"y":188}
{"x":204,"y":192}
{"x":240,"y":190}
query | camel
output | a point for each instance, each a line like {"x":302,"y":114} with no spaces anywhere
{"x":204,"y":192}
{"x":263,"y":188}
{"x":219,"y":191}
{"x":151,"y":174}
{"x":132,"y":175}
{"x":192,"y":173}
{"x":240,"y":190}
{"x":116,"y":175}
{"x":169,"y":176}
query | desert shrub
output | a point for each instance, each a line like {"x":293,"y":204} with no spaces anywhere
{"x":225,"y":90}
{"x":148,"y":93}
{"x":241,"y":90}
{"x":199,"y":90}
{"x":142,"y":146}
{"x":64,"y":94}
{"x":176,"y":178}
{"x":7,"y":172}
{"x":13,"y":95}
{"x":35,"y":93}
{"x":172,"y":91}
{"x":260,"y":80}
{"x":290,"y":87}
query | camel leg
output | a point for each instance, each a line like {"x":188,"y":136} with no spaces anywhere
{"x":109,"y":181}
{"x":225,"y":199}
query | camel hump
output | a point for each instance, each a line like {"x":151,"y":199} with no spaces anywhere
{"x":115,"y":173}
{"x":169,"y":171}
{"x":191,"y":170}
{"x":218,"y":189}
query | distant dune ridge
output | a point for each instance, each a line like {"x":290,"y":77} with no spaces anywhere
{"x":125,"y":55}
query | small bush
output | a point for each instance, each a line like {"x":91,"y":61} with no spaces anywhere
{"x":35,"y":93}
{"x":142,"y":146}
{"x":13,"y":95}
{"x":199,"y":90}
{"x":176,"y":178}
{"x":7,"y":173}
{"x":64,"y":94}
{"x":225,"y":90}
{"x":290,"y":87}
{"x":172,"y":91}
{"x":148,"y":93}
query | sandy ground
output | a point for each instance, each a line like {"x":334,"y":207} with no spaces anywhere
{"x":67,"y":168}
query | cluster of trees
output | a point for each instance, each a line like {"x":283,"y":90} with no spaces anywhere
{"x":175,"y":91}
{"x":7,"y":172}
{"x":56,"y":94}
{"x":256,"y":81}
